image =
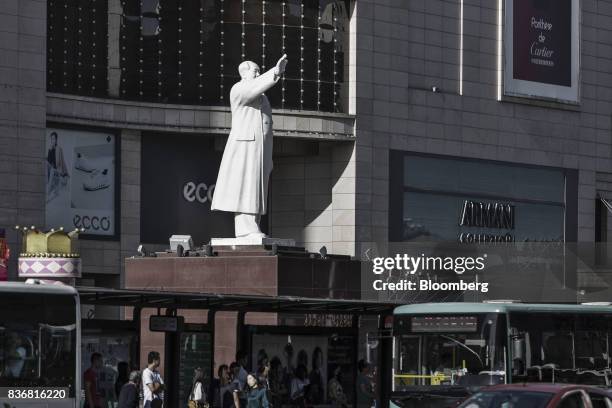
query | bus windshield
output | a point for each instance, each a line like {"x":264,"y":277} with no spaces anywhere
{"x":448,"y":350}
{"x":38,"y":340}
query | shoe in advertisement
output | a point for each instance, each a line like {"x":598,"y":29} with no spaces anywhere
{"x":84,"y":164}
{"x":97,"y":180}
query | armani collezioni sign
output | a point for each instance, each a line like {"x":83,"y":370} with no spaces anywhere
{"x":478,"y":214}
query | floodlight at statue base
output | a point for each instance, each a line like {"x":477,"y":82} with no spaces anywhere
{"x":183,"y":240}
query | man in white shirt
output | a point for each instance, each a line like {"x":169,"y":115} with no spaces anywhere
{"x":152,"y":383}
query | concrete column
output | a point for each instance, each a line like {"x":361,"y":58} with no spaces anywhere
{"x":130,"y":195}
{"x":22,"y":117}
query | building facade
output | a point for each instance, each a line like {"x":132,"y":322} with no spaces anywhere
{"x":392,"y":118}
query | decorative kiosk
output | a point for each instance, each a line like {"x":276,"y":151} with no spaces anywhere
{"x":49,"y":255}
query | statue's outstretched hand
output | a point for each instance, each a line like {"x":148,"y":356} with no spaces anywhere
{"x":281,"y":64}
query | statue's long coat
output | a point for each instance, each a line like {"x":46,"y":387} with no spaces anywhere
{"x":242,"y":183}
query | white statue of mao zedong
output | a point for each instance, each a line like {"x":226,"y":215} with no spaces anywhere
{"x":242,"y":183}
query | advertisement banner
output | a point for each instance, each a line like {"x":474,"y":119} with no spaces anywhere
{"x":80,"y":181}
{"x":543,"y":41}
{"x":177,"y":186}
{"x":542,"y":49}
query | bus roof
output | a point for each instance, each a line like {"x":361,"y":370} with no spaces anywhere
{"x":51,"y":289}
{"x":458,"y":307}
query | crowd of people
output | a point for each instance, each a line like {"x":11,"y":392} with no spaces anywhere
{"x":131,"y":387}
{"x":271,"y":385}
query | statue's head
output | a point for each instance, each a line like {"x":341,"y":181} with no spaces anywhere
{"x":248,"y":70}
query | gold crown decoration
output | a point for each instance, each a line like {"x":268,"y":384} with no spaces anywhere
{"x":52,"y":254}
{"x":55,"y":243}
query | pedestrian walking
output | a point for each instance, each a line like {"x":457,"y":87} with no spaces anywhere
{"x":256,"y":395}
{"x":365,"y":388}
{"x":241,"y":375}
{"x":123,"y":375}
{"x":129,"y":395}
{"x":299,"y":386}
{"x":227,"y":390}
{"x":237,"y":386}
{"x":278,"y":390}
{"x":337,"y":397}
{"x":214,"y":390}
{"x":93,"y":398}
{"x":197,"y":396}
{"x":316,"y":393}
{"x":152,"y":383}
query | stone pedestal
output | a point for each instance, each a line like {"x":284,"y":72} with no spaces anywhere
{"x":246,"y":241}
{"x":245,"y":270}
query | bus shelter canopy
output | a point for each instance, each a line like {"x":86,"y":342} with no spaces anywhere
{"x":223,"y":302}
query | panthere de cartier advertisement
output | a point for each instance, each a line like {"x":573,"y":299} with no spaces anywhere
{"x":542,"y":49}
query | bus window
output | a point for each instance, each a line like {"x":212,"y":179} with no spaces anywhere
{"x":563,"y":347}
{"x":408,"y":359}
{"x":446,"y":353}
{"x":38,"y":339}
{"x":557,"y":348}
{"x":592,"y":349}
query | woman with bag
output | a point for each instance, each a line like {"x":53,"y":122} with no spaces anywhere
{"x":197,"y":396}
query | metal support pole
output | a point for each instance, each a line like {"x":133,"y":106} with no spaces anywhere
{"x":171,"y":364}
{"x":355,"y":330}
{"x":385,"y":362}
{"x":240,"y":343}
{"x":211,"y":328}
{"x":136,"y":318}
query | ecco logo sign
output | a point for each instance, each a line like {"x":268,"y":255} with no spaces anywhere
{"x":94,"y":223}
{"x":200,"y":192}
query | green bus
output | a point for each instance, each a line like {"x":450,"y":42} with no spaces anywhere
{"x":442,"y":352}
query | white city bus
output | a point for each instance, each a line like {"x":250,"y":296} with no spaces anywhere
{"x":445,"y":351}
{"x":39,"y":346}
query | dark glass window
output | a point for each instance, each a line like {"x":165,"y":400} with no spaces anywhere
{"x":448,"y":199}
{"x":188,"y":51}
{"x":436,"y":216}
{"x":77,"y":46}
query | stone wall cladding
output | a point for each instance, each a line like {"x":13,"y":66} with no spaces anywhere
{"x":22,"y":117}
{"x":405,"y":47}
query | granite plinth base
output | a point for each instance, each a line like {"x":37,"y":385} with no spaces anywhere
{"x":246,"y":241}
{"x":241,"y":270}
